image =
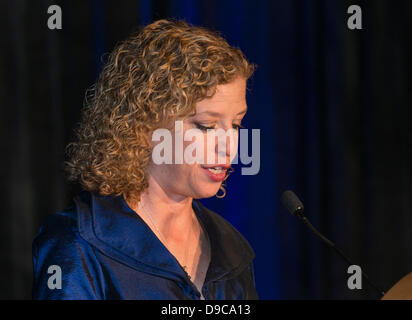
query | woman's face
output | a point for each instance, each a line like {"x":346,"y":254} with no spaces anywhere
{"x":224,"y":110}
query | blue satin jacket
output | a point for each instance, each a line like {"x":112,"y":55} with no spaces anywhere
{"x":99,"y":248}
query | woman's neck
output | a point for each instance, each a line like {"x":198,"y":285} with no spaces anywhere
{"x":172,"y":215}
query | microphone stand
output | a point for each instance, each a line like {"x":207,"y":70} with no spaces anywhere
{"x":302,"y":217}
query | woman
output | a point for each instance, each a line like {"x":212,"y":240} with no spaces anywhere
{"x":136,"y":232}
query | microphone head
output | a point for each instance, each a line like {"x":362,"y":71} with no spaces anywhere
{"x":292,"y":203}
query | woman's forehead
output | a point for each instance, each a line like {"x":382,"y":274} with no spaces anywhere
{"x":228,"y":97}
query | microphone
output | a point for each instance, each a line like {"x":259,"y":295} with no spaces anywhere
{"x":292,"y":204}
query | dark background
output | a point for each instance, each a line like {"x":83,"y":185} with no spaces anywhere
{"x":332,"y":104}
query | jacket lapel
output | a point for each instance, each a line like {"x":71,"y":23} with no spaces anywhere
{"x":230,"y":252}
{"x":110,"y":225}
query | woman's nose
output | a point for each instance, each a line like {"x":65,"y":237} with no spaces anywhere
{"x":226,"y":146}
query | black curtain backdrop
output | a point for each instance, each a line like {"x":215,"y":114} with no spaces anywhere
{"x":332,"y":104}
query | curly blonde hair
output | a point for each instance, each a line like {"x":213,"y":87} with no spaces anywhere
{"x":151,"y":79}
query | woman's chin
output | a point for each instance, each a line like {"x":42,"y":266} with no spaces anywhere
{"x":207,"y":192}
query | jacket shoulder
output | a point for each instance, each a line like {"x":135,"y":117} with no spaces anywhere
{"x":65,"y":266}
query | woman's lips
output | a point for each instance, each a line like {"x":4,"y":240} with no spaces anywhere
{"x":215,"y":176}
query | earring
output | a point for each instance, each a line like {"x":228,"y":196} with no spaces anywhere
{"x":221,"y":195}
{"x":222,"y":187}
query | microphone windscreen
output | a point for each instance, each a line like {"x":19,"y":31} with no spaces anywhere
{"x":291,"y":202}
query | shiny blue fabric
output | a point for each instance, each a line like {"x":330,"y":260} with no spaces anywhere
{"x":106,"y":251}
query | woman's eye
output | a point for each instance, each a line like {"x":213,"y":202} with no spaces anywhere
{"x":203,"y":128}
{"x":238,"y":126}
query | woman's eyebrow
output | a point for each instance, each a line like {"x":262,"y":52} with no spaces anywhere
{"x":217,"y":114}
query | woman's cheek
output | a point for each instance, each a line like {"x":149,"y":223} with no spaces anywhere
{"x":194,"y":147}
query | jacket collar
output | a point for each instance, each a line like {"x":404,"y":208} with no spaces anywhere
{"x":108,"y":223}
